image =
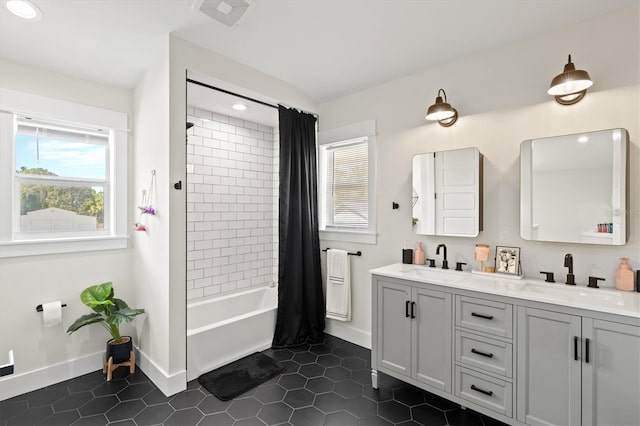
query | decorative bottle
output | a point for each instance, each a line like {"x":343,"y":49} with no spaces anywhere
{"x":418,"y":255}
{"x":624,"y":275}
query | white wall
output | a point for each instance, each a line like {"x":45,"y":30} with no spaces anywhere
{"x":232,"y":202}
{"x":502,"y":101}
{"x":151,"y":262}
{"x":48,"y":355}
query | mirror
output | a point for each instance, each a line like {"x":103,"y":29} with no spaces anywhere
{"x":573,"y":188}
{"x":447,"y":193}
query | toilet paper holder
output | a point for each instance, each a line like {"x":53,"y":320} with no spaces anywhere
{"x":39,"y":307}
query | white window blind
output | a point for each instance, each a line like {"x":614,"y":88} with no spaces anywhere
{"x":347,"y":185}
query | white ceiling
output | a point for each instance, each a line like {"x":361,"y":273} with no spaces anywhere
{"x":326,"y":48}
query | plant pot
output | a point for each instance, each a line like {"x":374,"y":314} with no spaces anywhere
{"x":119,"y":355}
{"x":120,"y":351}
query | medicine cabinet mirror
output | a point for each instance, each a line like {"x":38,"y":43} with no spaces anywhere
{"x":447,"y":193}
{"x":573,"y":188}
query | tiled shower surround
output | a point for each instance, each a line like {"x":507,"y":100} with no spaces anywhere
{"x":232,"y":204}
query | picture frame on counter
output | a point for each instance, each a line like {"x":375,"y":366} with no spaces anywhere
{"x":508,"y":260}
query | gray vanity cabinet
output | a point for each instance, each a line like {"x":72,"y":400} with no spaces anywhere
{"x":394,"y":327}
{"x":548,"y":368}
{"x":516,"y":359}
{"x":575,"y":370}
{"x":414,"y":331}
{"x":431,"y":337}
{"x":611,"y":377}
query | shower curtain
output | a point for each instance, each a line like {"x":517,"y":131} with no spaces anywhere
{"x":301,"y":307}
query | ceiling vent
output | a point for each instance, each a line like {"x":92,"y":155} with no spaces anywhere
{"x":227,"y":12}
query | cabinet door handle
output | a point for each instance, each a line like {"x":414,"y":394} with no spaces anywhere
{"x":477,"y":389}
{"x":481,"y":353}
{"x":413,"y":305}
{"x":586,"y":346}
{"x":406,"y":309}
{"x":575,"y":348}
{"x":489,"y":317}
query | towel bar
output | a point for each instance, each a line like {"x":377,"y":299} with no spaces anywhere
{"x":39,"y":307}
{"x":358,"y":253}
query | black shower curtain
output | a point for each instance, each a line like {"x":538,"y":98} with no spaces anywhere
{"x":301,"y":307}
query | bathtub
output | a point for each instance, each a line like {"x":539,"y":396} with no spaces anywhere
{"x":226,"y":328}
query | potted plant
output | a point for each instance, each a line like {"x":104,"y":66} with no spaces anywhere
{"x":110,"y":313}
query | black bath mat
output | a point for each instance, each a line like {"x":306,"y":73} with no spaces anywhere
{"x":236,"y":378}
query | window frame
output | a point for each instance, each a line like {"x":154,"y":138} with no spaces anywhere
{"x":342,"y":136}
{"x":15,"y":104}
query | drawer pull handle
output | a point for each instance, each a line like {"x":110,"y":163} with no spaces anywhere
{"x":477,"y":389}
{"x":413,"y":306}
{"x":481,"y":353}
{"x":575,"y":348}
{"x":489,"y":317}
{"x":406,"y":309}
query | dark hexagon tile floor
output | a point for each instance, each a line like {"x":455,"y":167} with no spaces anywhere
{"x":328,"y":383}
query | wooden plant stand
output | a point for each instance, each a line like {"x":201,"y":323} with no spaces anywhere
{"x":109,"y":366}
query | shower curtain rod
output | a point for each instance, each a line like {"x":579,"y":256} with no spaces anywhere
{"x":208,"y":86}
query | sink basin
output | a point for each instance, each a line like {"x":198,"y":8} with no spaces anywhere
{"x":435,"y":274}
{"x":588,"y":296}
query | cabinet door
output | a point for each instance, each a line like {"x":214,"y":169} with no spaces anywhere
{"x":431,"y":337}
{"x":610,"y":374}
{"x":457,"y":186}
{"x":549,"y":370}
{"x":394,"y":327}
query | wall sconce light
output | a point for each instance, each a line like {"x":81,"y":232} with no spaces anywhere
{"x":570,"y":86}
{"x":442,"y":112}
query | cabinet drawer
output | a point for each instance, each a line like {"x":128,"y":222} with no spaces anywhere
{"x":484,"y":315}
{"x":491,"y":393}
{"x":485,"y":353}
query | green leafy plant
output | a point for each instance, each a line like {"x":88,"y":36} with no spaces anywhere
{"x":107,"y":310}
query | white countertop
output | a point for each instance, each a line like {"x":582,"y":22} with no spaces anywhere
{"x":601,"y":300}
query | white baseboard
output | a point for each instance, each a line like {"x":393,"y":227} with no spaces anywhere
{"x":17,"y":384}
{"x":168,"y":384}
{"x":348,"y":332}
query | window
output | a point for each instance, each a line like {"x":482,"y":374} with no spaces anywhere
{"x":347,"y":186}
{"x":63,"y":182}
{"x":61,"y":179}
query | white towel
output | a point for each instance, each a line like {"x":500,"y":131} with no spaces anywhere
{"x":338,"y":285}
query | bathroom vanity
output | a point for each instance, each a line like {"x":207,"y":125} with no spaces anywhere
{"x":523,"y":352}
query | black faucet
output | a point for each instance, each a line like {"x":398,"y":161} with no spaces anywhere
{"x":593,"y":282}
{"x":549,"y":278}
{"x":445,"y":263}
{"x":568,"y":263}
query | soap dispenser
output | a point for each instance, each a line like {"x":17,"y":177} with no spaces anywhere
{"x":624,"y":275}
{"x":419,"y":255}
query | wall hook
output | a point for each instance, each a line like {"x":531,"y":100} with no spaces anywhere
{"x":395,"y":205}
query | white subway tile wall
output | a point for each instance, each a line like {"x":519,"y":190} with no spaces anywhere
{"x":232,"y":204}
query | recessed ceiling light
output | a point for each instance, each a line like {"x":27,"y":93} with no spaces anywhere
{"x":24,"y":9}
{"x":583,"y":139}
{"x":240,"y":107}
